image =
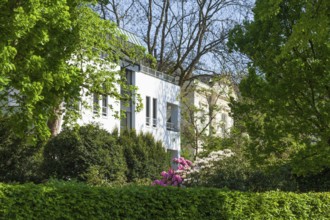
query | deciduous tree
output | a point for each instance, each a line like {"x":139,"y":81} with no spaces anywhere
{"x":186,"y":37}
{"x":203,"y":104}
{"x":286,"y":96}
{"x":50,"y":51}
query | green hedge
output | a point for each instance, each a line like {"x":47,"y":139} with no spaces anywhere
{"x":78,"y":201}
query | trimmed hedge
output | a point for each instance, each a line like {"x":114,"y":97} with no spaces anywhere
{"x":79,"y":201}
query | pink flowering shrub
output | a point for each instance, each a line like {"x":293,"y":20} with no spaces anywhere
{"x":175,"y":177}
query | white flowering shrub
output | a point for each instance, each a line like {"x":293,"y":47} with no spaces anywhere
{"x":205,"y":167}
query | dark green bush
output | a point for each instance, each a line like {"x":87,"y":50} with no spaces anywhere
{"x":236,"y":173}
{"x":316,"y":182}
{"x":92,"y":154}
{"x":145,"y":157}
{"x":87,"y":153}
{"x":19,"y":159}
{"x":78,"y":201}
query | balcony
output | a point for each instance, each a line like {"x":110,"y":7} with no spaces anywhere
{"x":148,"y":119}
{"x":170,"y":126}
{"x":157,"y":74}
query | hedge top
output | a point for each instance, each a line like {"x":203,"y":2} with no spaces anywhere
{"x":79,"y":201}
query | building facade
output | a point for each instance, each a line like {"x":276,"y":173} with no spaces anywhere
{"x":159,"y":116}
{"x":206,"y":110}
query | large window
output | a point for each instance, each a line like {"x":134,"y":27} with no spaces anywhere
{"x":104,"y":105}
{"x":154,"y":112}
{"x":223,"y":124}
{"x":126,"y":122}
{"x":12,"y":98}
{"x":126,"y":106}
{"x":147,"y":110}
{"x":96,"y":105}
{"x":172,"y":117}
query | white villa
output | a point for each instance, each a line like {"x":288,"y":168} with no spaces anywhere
{"x":206,"y":106}
{"x":161,"y":109}
{"x":160,"y":115}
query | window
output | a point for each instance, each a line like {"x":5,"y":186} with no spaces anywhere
{"x":172,"y":117}
{"x":154,"y":112}
{"x":103,"y":55}
{"x":126,"y":122}
{"x":126,"y":106}
{"x":169,"y":124}
{"x":129,"y":77}
{"x":148,"y":110}
{"x":71,"y":104}
{"x":223,"y":123}
{"x":13,"y":97}
{"x":96,"y":103}
{"x":104,"y":105}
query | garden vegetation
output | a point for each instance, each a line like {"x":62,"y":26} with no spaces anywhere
{"x":77,"y":201}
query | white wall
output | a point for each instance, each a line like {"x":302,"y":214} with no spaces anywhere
{"x":164,"y":92}
{"x":108,"y":122}
{"x":223,"y":92}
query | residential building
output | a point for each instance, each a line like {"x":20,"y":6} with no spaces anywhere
{"x":159,"y":95}
{"x":206,"y":110}
{"x":160,"y":114}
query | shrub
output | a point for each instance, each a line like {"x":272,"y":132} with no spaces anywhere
{"x":78,"y":201}
{"x":232,"y":170}
{"x":89,"y":153}
{"x":175,"y":177}
{"x":19,"y":160}
{"x":145,"y":157}
{"x":317,"y":182}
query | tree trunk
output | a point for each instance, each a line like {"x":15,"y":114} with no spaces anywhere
{"x":55,"y":121}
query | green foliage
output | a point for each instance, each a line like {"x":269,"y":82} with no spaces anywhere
{"x":49,"y":51}
{"x":145,"y":157}
{"x":202,"y":102}
{"x":236,"y":140}
{"x":77,"y":201}
{"x":237,"y":173}
{"x":285,"y":97}
{"x":19,"y":161}
{"x":228,"y":172}
{"x":89,"y":153}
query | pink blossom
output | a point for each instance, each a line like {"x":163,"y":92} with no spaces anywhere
{"x":189,"y":163}
{"x":170,"y":171}
{"x":172,"y":177}
{"x":178,"y":178}
{"x":156,"y":182}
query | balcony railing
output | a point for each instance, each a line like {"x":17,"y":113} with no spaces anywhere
{"x":148,"y":121}
{"x":158,"y":74}
{"x":170,"y":126}
{"x":154,"y":122}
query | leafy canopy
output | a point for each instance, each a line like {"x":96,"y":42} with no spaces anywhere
{"x":285,"y":97}
{"x":50,"y":51}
